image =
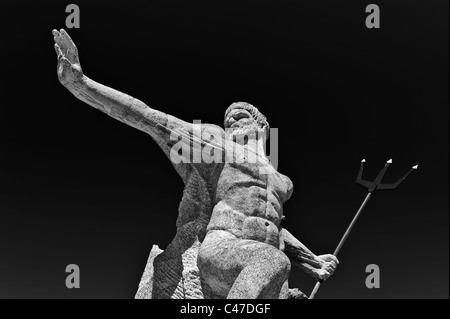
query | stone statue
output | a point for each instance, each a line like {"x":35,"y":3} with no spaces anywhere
{"x":229,"y":241}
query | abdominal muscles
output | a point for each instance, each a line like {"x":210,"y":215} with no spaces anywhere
{"x":244,"y":224}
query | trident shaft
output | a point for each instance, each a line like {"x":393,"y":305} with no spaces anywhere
{"x":372,"y":187}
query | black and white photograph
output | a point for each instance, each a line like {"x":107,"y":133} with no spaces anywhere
{"x":224,"y":150}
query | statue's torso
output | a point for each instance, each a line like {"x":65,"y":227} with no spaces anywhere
{"x":250,"y":195}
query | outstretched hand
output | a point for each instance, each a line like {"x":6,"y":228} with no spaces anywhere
{"x":69,"y":68}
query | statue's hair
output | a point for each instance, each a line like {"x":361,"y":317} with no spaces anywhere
{"x":257,"y":115}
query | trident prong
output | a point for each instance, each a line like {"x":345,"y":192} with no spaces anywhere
{"x":382,"y":187}
{"x":359,"y":179}
{"x":372,"y":187}
{"x":376,"y":185}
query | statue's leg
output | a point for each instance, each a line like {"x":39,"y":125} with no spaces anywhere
{"x":264,"y":275}
{"x":243,"y":269}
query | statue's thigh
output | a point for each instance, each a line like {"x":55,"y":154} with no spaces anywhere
{"x":223,"y":256}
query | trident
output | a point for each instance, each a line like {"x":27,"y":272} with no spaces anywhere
{"x":372,"y":187}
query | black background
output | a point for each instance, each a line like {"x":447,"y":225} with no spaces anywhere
{"x":79,"y":187}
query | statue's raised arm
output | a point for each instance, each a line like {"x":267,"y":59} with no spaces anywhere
{"x":122,"y":107}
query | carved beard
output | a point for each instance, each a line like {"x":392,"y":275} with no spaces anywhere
{"x":248,"y":129}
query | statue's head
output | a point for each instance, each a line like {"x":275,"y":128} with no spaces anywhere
{"x":243,"y":119}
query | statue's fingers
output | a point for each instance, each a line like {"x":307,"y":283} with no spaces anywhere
{"x":59,"y":53}
{"x":335,"y":260}
{"x":68,"y":40}
{"x":328,"y":268}
{"x":60,"y":42}
{"x":63,"y":66}
{"x":333,"y":265}
{"x":330,"y":258}
{"x":64,"y":63}
{"x":325,"y":275}
{"x":55,"y":32}
{"x":73,"y":52}
{"x":67,"y":37}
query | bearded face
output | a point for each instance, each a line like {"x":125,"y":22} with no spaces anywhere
{"x":240,"y":124}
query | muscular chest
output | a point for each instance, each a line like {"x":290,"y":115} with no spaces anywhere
{"x":255,"y":180}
